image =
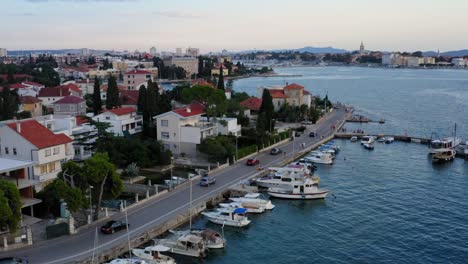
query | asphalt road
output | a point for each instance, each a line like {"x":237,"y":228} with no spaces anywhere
{"x":156,"y":211}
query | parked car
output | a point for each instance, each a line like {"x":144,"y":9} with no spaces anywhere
{"x":252,"y":162}
{"x":207,"y":181}
{"x":113,"y":226}
{"x":12,"y":260}
{"x":275,"y":151}
{"x":312,"y":134}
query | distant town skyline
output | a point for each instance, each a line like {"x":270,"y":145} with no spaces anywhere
{"x":246,"y":25}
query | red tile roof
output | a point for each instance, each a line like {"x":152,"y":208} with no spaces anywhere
{"x":190,"y":110}
{"x":17,"y":76}
{"x":201,"y":82}
{"x":138,"y":72}
{"x":38,"y":135}
{"x":54,"y":91}
{"x":29,"y":100}
{"x":32,"y":84}
{"x":70,"y":100}
{"x":81,"y":120}
{"x":122,"y":110}
{"x":73,"y":87}
{"x":277,"y":93}
{"x":306,"y":92}
{"x":129,"y":97}
{"x":17,"y":86}
{"x":252,"y":103}
{"x":293,"y":86}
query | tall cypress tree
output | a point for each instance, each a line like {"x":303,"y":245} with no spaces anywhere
{"x":268,"y":109}
{"x":221,"y":78}
{"x":112,"y":99}
{"x":97,"y":103}
{"x":9,"y":103}
{"x":142,"y":93}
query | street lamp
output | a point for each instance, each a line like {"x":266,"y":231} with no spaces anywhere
{"x":190,"y":209}
{"x":236,"y":147}
{"x":90,"y":205}
{"x":172,"y":162}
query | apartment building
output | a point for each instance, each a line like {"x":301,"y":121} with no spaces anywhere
{"x":123,"y":121}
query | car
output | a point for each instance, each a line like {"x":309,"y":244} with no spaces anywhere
{"x":275,"y":151}
{"x":312,"y":134}
{"x":113,"y":226}
{"x":252,"y":162}
{"x":12,"y":260}
{"x":207,"y":181}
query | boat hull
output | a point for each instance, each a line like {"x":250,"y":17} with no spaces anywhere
{"x":227,"y":222}
{"x":313,"y":196}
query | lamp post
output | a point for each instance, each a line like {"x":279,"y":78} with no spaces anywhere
{"x":172,"y":164}
{"x":236,"y":148}
{"x":90,"y":205}
{"x":190,"y":209}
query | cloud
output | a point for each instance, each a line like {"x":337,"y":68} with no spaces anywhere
{"x":178,"y":14}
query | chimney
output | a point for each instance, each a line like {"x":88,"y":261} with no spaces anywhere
{"x":188,"y":110}
{"x":18,"y":126}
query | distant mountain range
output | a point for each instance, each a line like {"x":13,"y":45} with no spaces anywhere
{"x":53,"y":51}
{"x":454,"y":53}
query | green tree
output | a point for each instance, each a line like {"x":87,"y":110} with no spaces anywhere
{"x":141,"y":99}
{"x":9,"y":103}
{"x":268,"y":109}
{"x":112,"y":98}
{"x":221,"y":78}
{"x":102,"y":175}
{"x":10,"y":206}
{"x":214,"y":100}
{"x":97,"y":103}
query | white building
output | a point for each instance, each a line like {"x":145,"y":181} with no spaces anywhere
{"x":181,"y":130}
{"x":292,"y":94}
{"x":414,"y":61}
{"x":153,"y":51}
{"x":29,"y":141}
{"x":3,"y":52}
{"x":458,"y":62}
{"x":391,"y":59}
{"x":123,"y":121}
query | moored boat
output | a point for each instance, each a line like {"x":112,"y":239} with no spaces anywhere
{"x":254,"y":199}
{"x":447,"y":155}
{"x":367,"y":140}
{"x":389,"y":140}
{"x":305,"y":191}
{"x":251,"y":208}
{"x":319,"y":157}
{"x":369,"y":146}
{"x":226,"y":216}
{"x":186,"y":244}
{"x":354,"y":138}
{"x":153,"y":255}
{"x":212,"y":239}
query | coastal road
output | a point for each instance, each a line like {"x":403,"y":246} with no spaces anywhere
{"x":156,"y":211}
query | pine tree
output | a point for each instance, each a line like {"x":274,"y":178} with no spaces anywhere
{"x":142,"y":93}
{"x":268,"y":109}
{"x":97,"y":103}
{"x":221,"y":78}
{"x":112,"y":99}
{"x":9,"y":103}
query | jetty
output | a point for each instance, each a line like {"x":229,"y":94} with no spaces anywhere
{"x":363,"y":119}
{"x":403,"y":138}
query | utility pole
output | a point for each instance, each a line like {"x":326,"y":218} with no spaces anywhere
{"x":90,"y":205}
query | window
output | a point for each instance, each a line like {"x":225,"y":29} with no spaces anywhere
{"x":47,"y":152}
{"x":14,"y":151}
{"x":56,"y":150}
{"x":128,"y":82}
{"x":164,"y":123}
{"x":6,"y":151}
{"x":107,"y":117}
{"x":129,"y":76}
{"x":52,"y":167}
{"x":165,"y":135}
{"x":43,"y":169}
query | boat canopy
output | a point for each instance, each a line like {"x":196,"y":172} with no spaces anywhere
{"x":159,"y":248}
{"x":190,"y":238}
{"x":252,"y":195}
{"x":240,"y":211}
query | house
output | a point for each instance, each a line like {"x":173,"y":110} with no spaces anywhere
{"x":41,"y":151}
{"x":123,"y":121}
{"x":136,"y":78}
{"x":31,"y":104}
{"x":49,"y":95}
{"x":70,"y":105}
{"x":181,"y":130}
{"x":86,"y":86}
{"x":292,"y":94}
{"x":228,"y":126}
{"x":216,"y":70}
{"x":27,"y":88}
{"x":77,"y":128}
{"x":252,"y":106}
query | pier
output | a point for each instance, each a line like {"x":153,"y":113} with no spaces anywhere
{"x":403,"y":138}
{"x":363,"y":119}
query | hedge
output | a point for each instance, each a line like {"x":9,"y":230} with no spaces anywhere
{"x":245,"y":151}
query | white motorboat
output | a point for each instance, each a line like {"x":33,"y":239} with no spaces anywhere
{"x":185,"y":244}
{"x":443,"y":145}
{"x":369,"y":146}
{"x":307,"y":190}
{"x":212,"y":239}
{"x":354,"y":139}
{"x":251,"y":208}
{"x":302,"y":162}
{"x":389,"y":140}
{"x":381,"y":139}
{"x":153,"y":255}
{"x":319,"y":157}
{"x":127,"y":261}
{"x":254,"y":199}
{"x":282,"y":176}
{"x":227,"y":216}
{"x":367,"y":140}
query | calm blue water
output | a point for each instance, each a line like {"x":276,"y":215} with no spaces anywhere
{"x":392,"y":205}
{"x":416,"y":101}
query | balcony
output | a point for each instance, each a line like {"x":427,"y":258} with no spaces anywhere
{"x":19,"y":183}
{"x":47,"y":177}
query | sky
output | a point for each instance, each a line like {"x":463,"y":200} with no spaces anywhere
{"x":235,"y":25}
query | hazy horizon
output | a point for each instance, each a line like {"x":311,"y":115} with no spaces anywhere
{"x":243,"y":25}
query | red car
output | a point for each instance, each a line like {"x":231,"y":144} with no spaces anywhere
{"x":252,"y":162}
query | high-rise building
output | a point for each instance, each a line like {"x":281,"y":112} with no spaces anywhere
{"x":194,"y":52}
{"x":152,"y":51}
{"x":3,"y":52}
